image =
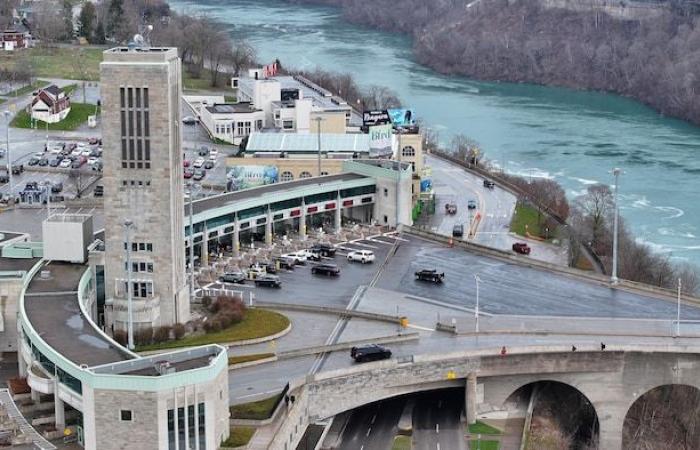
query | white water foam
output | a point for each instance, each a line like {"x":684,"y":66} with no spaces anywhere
{"x":674,"y":212}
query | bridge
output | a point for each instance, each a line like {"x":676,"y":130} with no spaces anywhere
{"x":611,"y":380}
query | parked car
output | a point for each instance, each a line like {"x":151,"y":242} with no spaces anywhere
{"x":86,"y":153}
{"x":430,"y":275}
{"x":185,"y":163}
{"x":369,"y":352}
{"x":18,"y":169}
{"x":209,"y":164}
{"x":326,"y":269}
{"x":285,"y":262}
{"x":298,"y":257}
{"x":471,"y":204}
{"x":97,"y":166}
{"x":522,"y":248}
{"x":54,"y":162}
{"x":76,"y":151}
{"x":199,"y":162}
{"x":91,"y":161}
{"x":323,"y":249}
{"x":233,"y":277}
{"x":93,"y":141}
{"x":268,"y":280}
{"x":450,"y":208}
{"x":310,"y":255}
{"x":33,"y":161}
{"x":189,"y":120}
{"x":213,"y":153}
{"x":489,"y":184}
{"x":203,"y":151}
{"x":77,"y":163}
{"x":4,"y":177}
{"x":66,"y":163}
{"x":99,"y":191}
{"x":2,"y":152}
{"x":199,"y":174}
{"x":43,"y":162}
{"x":187,"y":173}
{"x":458,"y":230}
{"x":363,"y":256}
{"x":56,"y":187}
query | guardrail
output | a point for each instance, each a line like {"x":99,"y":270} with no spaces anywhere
{"x":330,"y":310}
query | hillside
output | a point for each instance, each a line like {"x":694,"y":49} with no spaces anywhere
{"x":647,"y":53}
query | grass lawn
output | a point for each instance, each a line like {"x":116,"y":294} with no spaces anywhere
{"x":230,"y":98}
{"x":239,"y":436}
{"x":77,"y":116}
{"x":248,"y":358}
{"x":401,"y":443}
{"x":483,"y":428}
{"x":256,"y":324}
{"x":27,"y":89}
{"x":74,"y":63}
{"x":583,"y":263}
{"x":525,"y":218}
{"x":260,"y":410}
{"x":484,"y":445}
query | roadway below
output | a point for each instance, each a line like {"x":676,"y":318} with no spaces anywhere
{"x":373,"y":426}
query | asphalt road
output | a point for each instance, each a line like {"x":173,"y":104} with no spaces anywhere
{"x":373,"y":426}
{"x":436,"y":421}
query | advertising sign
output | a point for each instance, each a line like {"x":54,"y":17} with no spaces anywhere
{"x":402,"y":117}
{"x":270,"y":70}
{"x":376,"y":117}
{"x":426,"y":185}
{"x":380,"y":141}
{"x":244,"y":177}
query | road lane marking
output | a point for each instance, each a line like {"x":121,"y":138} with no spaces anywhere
{"x":274,"y":391}
{"x":437,"y":428}
{"x":438,"y":446}
{"x":374,"y":417}
{"x":369,"y":430}
{"x":418,"y":327}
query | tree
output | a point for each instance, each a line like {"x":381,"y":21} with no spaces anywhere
{"x":86,"y":20}
{"x":6,"y":9}
{"x":115,"y":19}
{"x":466,"y":149}
{"x":99,"y":35}
{"x":48,"y":26}
{"x":380,"y":97}
{"x":595,"y":206}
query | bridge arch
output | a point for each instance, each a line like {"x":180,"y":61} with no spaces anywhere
{"x":665,"y":416}
{"x":553,"y":402}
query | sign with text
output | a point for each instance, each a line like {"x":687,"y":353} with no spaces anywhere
{"x":244,"y":177}
{"x":376,"y":117}
{"x":380,"y":141}
{"x":402,"y":117}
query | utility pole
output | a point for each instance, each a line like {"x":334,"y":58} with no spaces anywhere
{"x":318,"y":133}
{"x":678,"y":311}
{"x":613,"y":278}
{"x":128,"y":225}
{"x":476,"y":310}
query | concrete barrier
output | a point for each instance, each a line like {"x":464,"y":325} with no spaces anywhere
{"x":403,"y":337}
{"x":329,"y":310}
{"x":252,"y":363}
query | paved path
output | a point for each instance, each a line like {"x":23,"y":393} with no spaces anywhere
{"x":21,"y":422}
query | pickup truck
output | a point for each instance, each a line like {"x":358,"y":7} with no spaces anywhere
{"x":430,"y":275}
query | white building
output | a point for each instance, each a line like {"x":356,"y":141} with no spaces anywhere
{"x":231,"y":122}
{"x":50,"y":104}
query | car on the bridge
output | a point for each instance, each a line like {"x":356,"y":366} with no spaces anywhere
{"x":430,"y":275}
{"x":489,"y":184}
{"x":233,"y":277}
{"x":369,"y":352}
{"x":522,"y":248}
{"x":363,"y":256}
{"x":298,"y":257}
{"x":451,"y":208}
{"x":323,"y":249}
{"x":471,"y":204}
{"x":268,"y":281}
{"x":458,"y":230}
{"x":326,"y":269}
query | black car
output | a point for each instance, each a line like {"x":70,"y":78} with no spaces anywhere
{"x":489,"y":184}
{"x":203,"y":151}
{"x":55,"y":162}
{"x":430,"y":275}
{"x":285,"y":263}
{"x":268,"y":280}
{"x":233,"y":277}
{"x":33,"y":161}
{"x":56,"y":188}
{"x":43,"y":162}
{"x":458,"y":230}
{"x":370,"y":352}
{"x":199,"y":174}
{"x":326,"y":269}
{"x":323,"y":249}
{"x":209,"y":164}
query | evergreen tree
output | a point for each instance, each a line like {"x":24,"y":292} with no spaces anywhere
{"x":87,"y":20}
{"x":99,"y":35}
{"x":115,"y":17}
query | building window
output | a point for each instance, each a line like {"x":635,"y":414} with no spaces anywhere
{"x":324,"y":173}
{"x":134,"y":128}
{"x":288,"y":124}
{"x":259,"y":125}
{"x":408,"y":151}
{"x":246,"y":128}
{"x":125,"y":415}
{"x":386,"y":192}
{"x":386,"y":219}
{"x":305,"y":174}
{"x":287,"y":176}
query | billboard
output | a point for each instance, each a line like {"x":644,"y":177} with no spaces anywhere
{"x":376,"y":117}
{"x":380,"y":141}
{"x":402,"y":117}
{"x":244,"y":177}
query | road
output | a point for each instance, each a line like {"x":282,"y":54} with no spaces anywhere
{"x":374,"y":426}
{"x":436,"y":421}
{"x":496,"y":206}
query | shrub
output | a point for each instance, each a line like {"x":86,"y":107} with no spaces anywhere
{"x":161,"y":334}
{"x":179,"y":330}
{"x":206,"y":301}
{"x":144,"y":336}
{"x":121,"y":336}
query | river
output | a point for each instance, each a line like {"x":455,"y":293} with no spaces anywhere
{"x":575,"y":137}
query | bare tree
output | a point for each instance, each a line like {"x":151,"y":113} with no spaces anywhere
{"x":380,"y":97}
{"x":596,"y":206}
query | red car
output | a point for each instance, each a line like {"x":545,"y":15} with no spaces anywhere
{"x":188,"y":173}
{"x":522,"y":248}
{"x":185,"y":163}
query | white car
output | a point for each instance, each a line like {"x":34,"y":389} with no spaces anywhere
{"x":86,"y":153}
{"x":298,"y":257}
{"x":76,"y":151}
{"x":92,"y":160}
{"x":198,"y":163}
{"x":213,"y":153}
{"x":363,"y":256}
{"x":66,"y":163}
{"x":55,"y":150}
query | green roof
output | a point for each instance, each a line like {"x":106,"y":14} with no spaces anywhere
{"x":307,"y":143}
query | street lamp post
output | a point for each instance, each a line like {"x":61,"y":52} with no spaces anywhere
{"x":613,"y":278}
{"x":678,"y":311}
{"x":476,"y":310}
{"x":128,"y":225}
{"x":9,"y":156}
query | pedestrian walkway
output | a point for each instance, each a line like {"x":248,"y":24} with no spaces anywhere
{"x":9,"y":405}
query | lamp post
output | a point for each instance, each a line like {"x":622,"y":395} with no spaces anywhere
{"x":128,"y":225}
{"x":678,"y":311}
{"x":613,"y":279}
{"x":318,"y":133}
{"x":9,"y":156}
{"x":476,"y":310}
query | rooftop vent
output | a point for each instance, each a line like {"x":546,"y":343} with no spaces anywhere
{"x":164,"y":367}
{"x":45,"y":274}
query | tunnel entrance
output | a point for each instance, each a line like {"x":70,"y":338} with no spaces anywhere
{"x":561,"y":417}
{"x":666,"y":417}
